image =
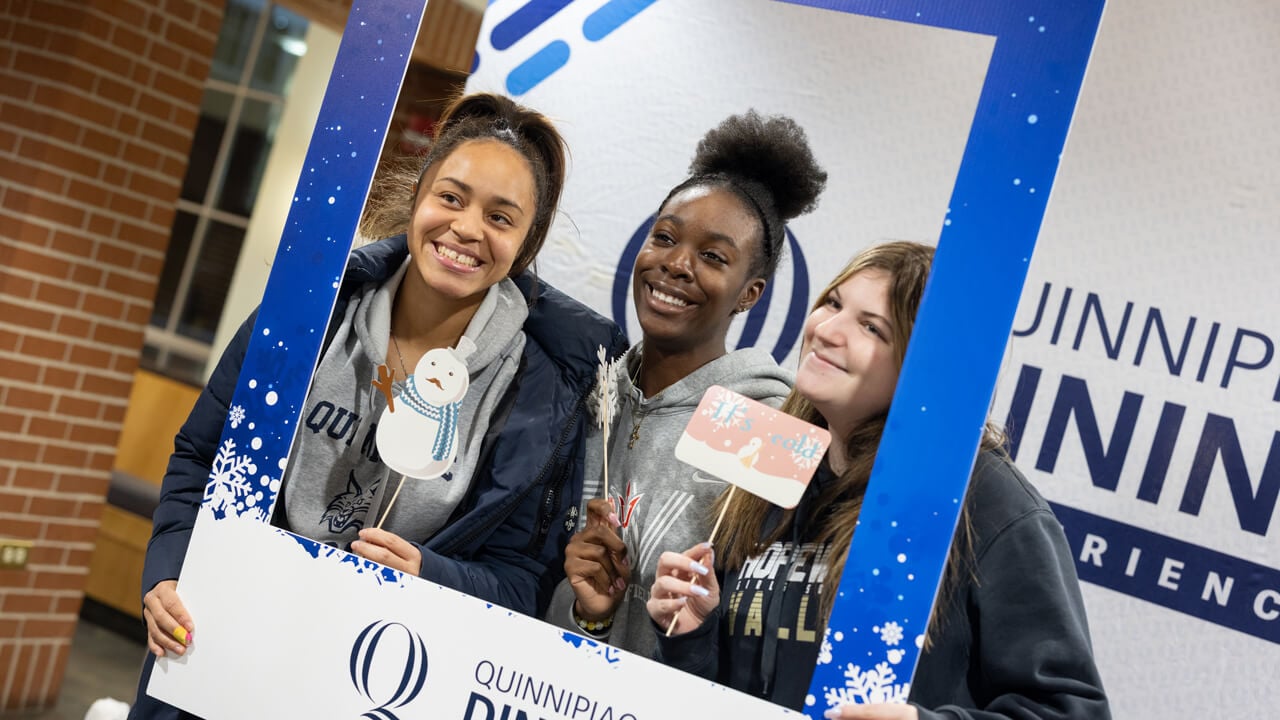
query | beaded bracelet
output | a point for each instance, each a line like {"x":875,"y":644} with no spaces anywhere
{"x":594,"y":627}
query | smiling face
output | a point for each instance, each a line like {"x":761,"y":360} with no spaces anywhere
{"x":848,"y":364}
{"x":695,"y":271}
{"x":473,"y":211}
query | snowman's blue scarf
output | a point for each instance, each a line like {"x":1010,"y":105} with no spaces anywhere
{"x":446,"y":415}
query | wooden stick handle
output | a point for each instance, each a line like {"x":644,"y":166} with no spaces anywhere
{"x":606,"y":458}
{"x":710,"y":541}
{"x":387,"y":512}
{"x":728,"y":499}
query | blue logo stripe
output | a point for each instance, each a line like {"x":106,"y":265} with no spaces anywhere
{"x":755,"y":319}
{"x":798,"y":308}
{"x":422,"y":675}
{"x":613,"y":15}
{"x":537,"y":68}
{"x":363,"y":687}
{"x":524,"y":21}
{"x":408,"y":670}
{"x":622,"y":273}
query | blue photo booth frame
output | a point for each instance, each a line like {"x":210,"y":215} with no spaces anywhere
{"x":1018,"y":132}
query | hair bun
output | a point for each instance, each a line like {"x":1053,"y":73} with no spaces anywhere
{"x":772,"y":151}
{"x":482,"y":106}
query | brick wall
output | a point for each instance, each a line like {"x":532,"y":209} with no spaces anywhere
{"x":98,"y":100}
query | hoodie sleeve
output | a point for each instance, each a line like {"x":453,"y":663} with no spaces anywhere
{"x":696,"y":652}
{"x":1031,"y":653}
{"x":502,"y":576}
{"x":195,"y":446}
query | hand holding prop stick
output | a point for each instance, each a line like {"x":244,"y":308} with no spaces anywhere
{"x":751,"y":446}
{"x":711,"y":542}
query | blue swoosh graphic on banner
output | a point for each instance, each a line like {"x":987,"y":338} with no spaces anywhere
{"x":524,"y":21}
{"x":537,"y":68}
{"x":555,"y":55}
{"x":611,"y":16}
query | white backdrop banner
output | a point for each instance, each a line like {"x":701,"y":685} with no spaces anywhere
{"x":887,"y":107}
{"x":1143,"y":377}
{"x":1143,"y":381}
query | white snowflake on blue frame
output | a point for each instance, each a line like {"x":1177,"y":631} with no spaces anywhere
{"x":229,"y":483}
{"x":890,"y":633}
{"x":877,"y":684}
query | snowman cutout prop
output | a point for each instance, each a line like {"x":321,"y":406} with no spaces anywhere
{"x":418,"y":433}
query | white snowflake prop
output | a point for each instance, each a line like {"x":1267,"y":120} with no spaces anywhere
{"x":237,"y":415}
{"x":604,"y":396}
{"x":229,"y":483}
{"x":604,"y":402}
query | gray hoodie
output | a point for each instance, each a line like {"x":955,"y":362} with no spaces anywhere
{"x":335,"y":483}
{"x":662,"y":503}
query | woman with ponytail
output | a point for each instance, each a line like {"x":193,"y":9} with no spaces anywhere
{"x":715,"y":242}
{"x":493,"y":525}
{"x":1008,"y":636}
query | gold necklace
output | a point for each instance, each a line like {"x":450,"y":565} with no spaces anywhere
{"x":399,"y":356}
{"x":637,"y":417}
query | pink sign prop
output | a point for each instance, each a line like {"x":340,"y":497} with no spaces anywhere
{"x":750,"y":445}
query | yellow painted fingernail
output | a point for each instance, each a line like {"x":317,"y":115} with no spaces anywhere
{"x":180,"y":634}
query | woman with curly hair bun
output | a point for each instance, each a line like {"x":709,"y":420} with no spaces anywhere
{"x":715,"y":243}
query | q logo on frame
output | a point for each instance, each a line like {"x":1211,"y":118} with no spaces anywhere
{"x":402,"y":647}
{"x":797,"y":304}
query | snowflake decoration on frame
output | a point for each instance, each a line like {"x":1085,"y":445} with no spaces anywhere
{"x":876,"y":684}
{"x":229,"y":483}
{"x":236,"y":416}
{"x":890,"y":633}
{"x":863,"y":687}
{"x":824,"y":654}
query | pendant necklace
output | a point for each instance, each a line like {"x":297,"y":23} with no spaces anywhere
{"x":395,"y":343}
{"x":637,"y":415}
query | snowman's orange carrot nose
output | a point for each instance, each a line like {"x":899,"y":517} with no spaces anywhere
{"x":436,"y":382}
